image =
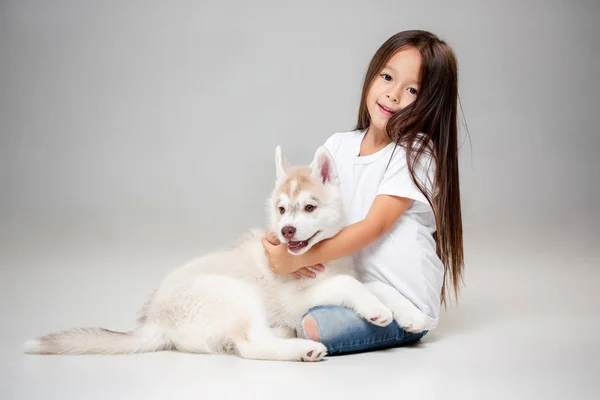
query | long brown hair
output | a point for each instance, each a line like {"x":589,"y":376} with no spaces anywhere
{"x":429,"y":124}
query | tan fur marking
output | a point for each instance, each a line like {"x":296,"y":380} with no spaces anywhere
{"x":298,"y":181}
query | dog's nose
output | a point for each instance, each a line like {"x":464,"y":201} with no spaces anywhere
{"x":288,"y":231}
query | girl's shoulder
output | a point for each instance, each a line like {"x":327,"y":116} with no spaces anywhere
{"x":335,"y":141}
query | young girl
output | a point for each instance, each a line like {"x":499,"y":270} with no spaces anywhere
{"x":398,"y":174}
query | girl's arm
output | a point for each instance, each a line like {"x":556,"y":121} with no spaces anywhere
{"x":382,"y":215}
{"x":384,"y":212}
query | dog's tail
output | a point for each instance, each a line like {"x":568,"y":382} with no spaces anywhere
{"x":145,"y":339}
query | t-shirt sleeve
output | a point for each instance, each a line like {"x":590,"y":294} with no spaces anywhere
{"x":396,"y":179}
{"x":332,"y":144}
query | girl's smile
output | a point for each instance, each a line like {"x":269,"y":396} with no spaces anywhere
{"x":386,"y":110}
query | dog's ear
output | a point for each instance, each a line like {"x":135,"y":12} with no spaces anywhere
{"x":281,"y":164}
{"x":323,"y":167}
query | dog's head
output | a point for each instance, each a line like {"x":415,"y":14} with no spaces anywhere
{"x":306,"y":204}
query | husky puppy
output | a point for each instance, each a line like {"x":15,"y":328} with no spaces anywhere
{"x":230,"y":301}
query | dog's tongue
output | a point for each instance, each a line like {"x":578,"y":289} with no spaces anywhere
{"x":297,"y":244}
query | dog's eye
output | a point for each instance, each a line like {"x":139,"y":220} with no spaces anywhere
{"x":309,"y":208}
{"x":281,"y":210}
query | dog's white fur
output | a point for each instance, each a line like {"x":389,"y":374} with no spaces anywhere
{"x":230,"y":301}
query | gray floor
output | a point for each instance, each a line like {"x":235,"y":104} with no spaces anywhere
{"x":527,"y":327}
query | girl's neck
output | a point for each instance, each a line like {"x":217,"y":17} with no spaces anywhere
{"x":373,"y":141}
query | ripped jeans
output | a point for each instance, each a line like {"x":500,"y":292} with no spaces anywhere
{"x":344,"y":332}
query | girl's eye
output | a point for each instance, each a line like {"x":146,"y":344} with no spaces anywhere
{"x":309,"y":208}
{"x":281,"y":210}
{"x":412,"y":91}
{"x":386,"y":77}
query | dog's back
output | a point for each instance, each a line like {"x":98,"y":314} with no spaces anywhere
{"x":229,"y":299}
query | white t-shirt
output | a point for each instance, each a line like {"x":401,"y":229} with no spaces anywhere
{"x":405,"y":256}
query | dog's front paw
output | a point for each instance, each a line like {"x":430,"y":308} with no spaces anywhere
{"x":377,"y":314}
{"x":312,"y":351}
{"x":411,"y":321}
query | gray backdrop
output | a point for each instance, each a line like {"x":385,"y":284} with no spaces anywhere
{"x":164,"y":117}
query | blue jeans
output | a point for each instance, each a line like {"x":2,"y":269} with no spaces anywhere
{"x":343,"y":332}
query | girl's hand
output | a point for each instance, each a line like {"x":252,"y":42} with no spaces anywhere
{"x":309,"y":272}
{"x":283,"y":263}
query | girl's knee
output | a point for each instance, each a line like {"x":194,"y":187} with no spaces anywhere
{"x":310,"y":329}
{"x":325,"y":324}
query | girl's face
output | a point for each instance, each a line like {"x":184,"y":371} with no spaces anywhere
{"x":396,"y":86}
